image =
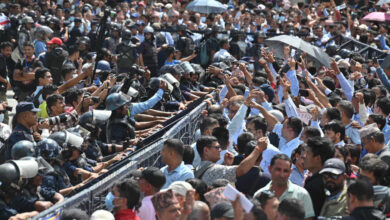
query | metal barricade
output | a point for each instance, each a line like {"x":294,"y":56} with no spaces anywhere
{"x":93,"y":198}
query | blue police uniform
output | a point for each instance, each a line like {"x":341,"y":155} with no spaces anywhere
{"x":19,"y":133}
{"x":71,"y":165}
{"x":5,"y":211}
{"x":55,"y":181}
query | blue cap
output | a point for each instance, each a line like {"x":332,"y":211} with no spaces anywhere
{"x":134,"y":15}
{"x":26,"y":107}
{"x":267,"y":89}
{"x":141,"y":22}
{"x":103,"y":65}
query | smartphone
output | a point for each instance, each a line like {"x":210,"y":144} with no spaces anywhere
{"x":286,"y":68}
{"x":303,"y":92}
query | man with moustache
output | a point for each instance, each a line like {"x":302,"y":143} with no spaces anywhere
{"x":334,"y":177}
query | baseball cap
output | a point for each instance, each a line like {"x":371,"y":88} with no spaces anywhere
{"x":142,"y":4}
{"x":153,"y":175}
{"x":168,"y":6}
{"x":55,"y":40}
{"x":267,"y":89}
{"x":26,"y":107}
{"x":180,"y":187}
{"x":368,"y":129}
{"x":334,"y":166}
{"x":222,"y":209}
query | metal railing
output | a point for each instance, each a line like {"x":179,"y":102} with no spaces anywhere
{"x":92,"y":197}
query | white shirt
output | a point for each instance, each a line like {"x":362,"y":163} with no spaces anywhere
{"x":341,"y":143}
{"x":146,"y":212}
{"x":268,"y":154}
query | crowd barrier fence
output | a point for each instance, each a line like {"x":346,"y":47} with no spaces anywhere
{"x":92,"y":197}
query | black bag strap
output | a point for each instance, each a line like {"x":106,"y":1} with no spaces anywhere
{"x":200,"y":172}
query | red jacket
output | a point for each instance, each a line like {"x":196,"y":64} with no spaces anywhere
{"x":126,"y":214}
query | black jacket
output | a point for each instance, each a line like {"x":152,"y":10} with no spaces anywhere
{"x":364,"y":213}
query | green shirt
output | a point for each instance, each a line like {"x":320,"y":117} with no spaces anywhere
{"x":294,"y":192}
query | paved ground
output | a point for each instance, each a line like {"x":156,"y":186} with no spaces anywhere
{"x":11,"y":102}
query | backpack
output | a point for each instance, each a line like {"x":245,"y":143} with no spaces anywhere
{"x":126,"y":57}
{"x":189,"y":47}
{"x":204,"y":55}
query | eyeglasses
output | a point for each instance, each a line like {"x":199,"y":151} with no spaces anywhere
{"x":216,"y":147}
{"x":329,"y":175}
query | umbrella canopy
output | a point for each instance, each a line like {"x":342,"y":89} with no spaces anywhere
{"x":377,"y":16}
{"x":314,"y":53}
{"x":206,"y":6}
{"x":381,"y":2}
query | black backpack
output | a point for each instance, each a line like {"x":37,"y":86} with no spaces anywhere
{"x":126,"y":57}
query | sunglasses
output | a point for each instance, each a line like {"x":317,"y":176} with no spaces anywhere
{"x":329,"y":175}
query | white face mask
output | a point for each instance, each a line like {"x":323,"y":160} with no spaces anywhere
{"x":74,"y":75}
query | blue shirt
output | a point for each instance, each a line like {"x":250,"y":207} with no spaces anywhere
{"x":181,"y":173}
{"x":291,"y":75}
{"x":39,"y":47}
{"x":386,"y":131}
{"x":345,"y":86}
{"x":353,"y":134}
{"x":174,"y":62}
{"x":140,"y":107}
{"x":284,"y":146}
{"x":297,"y":177}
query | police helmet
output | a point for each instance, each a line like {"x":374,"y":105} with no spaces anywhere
{"x":154,"y":83}
{"x":27,"y":20}
{"x":344,"y":53}
{"x":148,"y":30}
{"x":115,"y":101}
{"x":90,"y":119}
{"x":260,"y":34}
{"x":22,"y":149}
{"x":126,"y":34}
{"x":48,"y":149}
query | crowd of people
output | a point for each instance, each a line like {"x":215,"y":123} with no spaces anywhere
{"x":282,"y":137}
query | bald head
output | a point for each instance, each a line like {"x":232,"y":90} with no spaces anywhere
{"x":200,"y":211}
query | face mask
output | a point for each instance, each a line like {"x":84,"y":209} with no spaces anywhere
{"x":203,"y":19}
{"x":1,"y":117}
{"x":74,"y":75}
{"x":275,"y":17}
{"x":2,"y":5}
{"x":110,"y":201}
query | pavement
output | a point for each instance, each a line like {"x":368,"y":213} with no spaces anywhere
{"x":11,"y":102}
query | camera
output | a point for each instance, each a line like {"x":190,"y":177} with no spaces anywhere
{"x":95,"y":99}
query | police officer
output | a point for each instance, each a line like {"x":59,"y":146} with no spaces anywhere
{"x":12,"y":200}
{"x":119,"y":126}
{"x":114,"y":40}
{"x":23,"y":122}
{"x":22,"y":149}
{"x":148,"y":52}
{"x":25,"y":33}
{"x":76,"y":167}
{"x":255,"y":50}
{"x":185,"y":44}
{"x":32,"y":190}
{"x":57,"y":180}
{"x":127,"y":52}
{"x":94,"y":148}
